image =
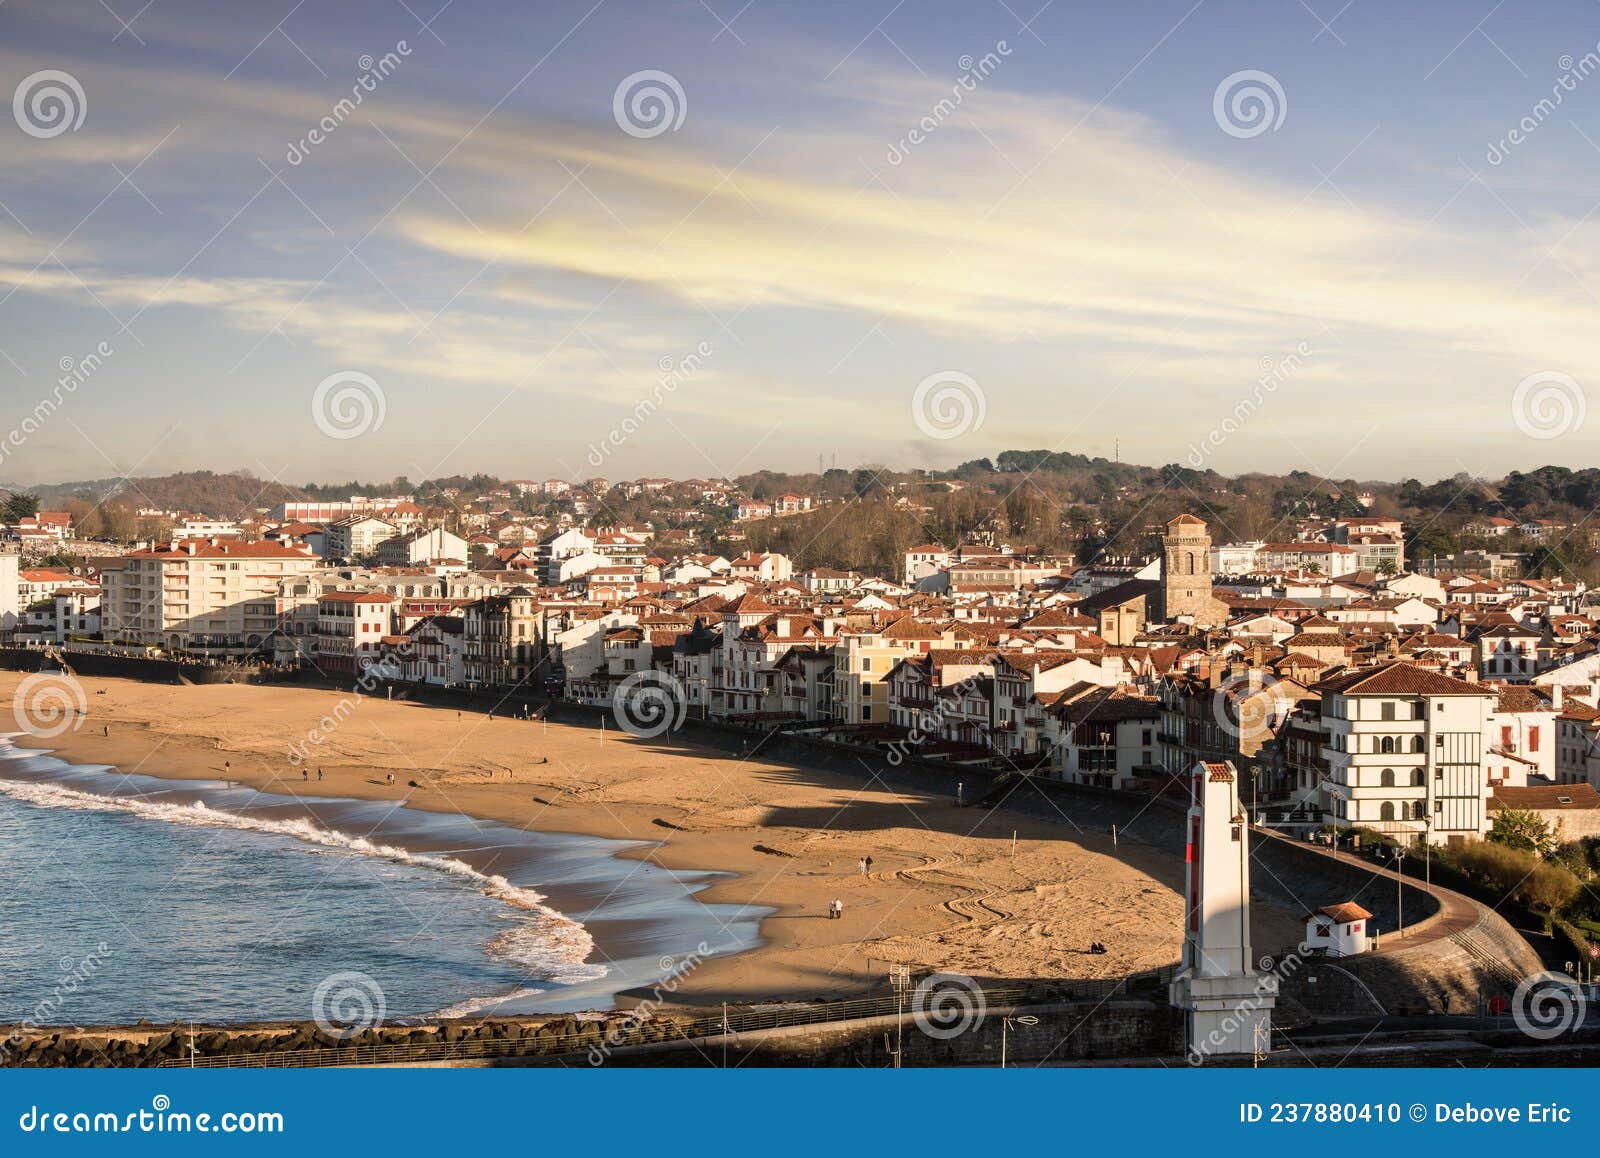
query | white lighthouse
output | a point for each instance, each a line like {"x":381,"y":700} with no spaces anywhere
{"x":1229,"y":1004}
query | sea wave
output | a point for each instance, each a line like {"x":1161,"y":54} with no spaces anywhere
{"x":545,"y":942}
{"x":478,"y":1004}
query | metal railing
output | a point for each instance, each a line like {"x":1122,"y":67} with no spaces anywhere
{"x":605,"y":1036}
{"x":1493,"y":965}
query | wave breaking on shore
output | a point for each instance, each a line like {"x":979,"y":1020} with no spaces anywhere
{"x":548,"y":944}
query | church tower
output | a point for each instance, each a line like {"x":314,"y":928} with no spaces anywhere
{"x":1186,"y":574}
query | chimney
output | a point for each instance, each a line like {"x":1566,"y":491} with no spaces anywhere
{"x":1557,"y":693}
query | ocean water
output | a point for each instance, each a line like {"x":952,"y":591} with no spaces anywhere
{"x":127,"y":897}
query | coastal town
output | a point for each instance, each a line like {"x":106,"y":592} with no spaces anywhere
{"x":605,"y":537}
{"x":1359,"y":687}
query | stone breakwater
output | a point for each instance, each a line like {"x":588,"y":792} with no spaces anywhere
{"x":152,"y":1045}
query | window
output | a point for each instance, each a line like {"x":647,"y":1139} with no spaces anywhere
{"x":1533,"y":739}
{"x":1386,"y":745}
{"x":1418,"y":745}
{"x":1387,"y":811}
{"x":1386,"y":711}
{"x":1419,"y":778}
{"x":1386,"y":780}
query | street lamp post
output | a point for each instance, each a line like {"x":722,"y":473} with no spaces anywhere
{"x":1399,"y":889}
{"x":1427,"y":852}
{"x":1005,"y":1029}
{"x":900,"y":979}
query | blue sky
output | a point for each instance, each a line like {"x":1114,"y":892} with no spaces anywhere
{"x":1081,"y":243}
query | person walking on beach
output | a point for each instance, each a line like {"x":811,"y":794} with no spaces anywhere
{"x":869,"y":865}
{"x":304,"y":775}
{"x":837,"y":908}
{"x":863,"y":863}
{"x":319,"y":773}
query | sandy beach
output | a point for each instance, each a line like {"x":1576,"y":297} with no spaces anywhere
{"x":948,"y":889}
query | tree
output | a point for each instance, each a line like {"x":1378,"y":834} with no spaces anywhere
{"x":1522,"y":829}
{"x":1547,"y":890}
{"x":1432,"y":540}
{"x":1573,"y":857}
{"x":20,"y":505}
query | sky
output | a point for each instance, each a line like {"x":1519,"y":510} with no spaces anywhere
{"x":702,"y":238}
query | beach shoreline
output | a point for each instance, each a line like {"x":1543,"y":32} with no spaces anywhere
{"x":993,"y":895}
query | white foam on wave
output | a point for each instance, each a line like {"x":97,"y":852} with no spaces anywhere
{"x":543,"y":941}
{"x":478,"y":1004}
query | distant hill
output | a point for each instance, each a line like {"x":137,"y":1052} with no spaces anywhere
{"x":201,"y":491}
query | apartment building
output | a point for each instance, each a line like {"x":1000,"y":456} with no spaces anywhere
{"x":1577,"y":740}
{"x":429,"y":545}
{"x":1105,"y":737}
{"x":217,"y":595}
{"x":1522,"y":738}
{"x":1406,"y":751}
{"x":35,"y":583}
{"x":501,"y":639}
{"x":805,"y":682}
{"x":199,"y":527}
{"x":746,"y":682}
{"x":62,"y":616}
{"x":864,"y":658}
{"x":352,"y":627}
{"x":356,"y":536}
{"x":763,"y":567}
{"x":925,"y":560}
{"x":1506,"y":650}
{"x":326,"y":511}
{"x":555,"y":550}
{"x":1322,"y":558}
{"x":435,"y":653}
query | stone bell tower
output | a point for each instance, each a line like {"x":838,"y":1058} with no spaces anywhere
{"x":1186,"y":574}
{"x":1228,"y":1004}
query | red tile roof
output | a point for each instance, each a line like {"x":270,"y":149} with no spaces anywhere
{"x":222,"y":549}
{"x":1399,"y":679}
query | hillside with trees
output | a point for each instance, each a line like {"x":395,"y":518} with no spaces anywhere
{"x":1062,"y":504}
